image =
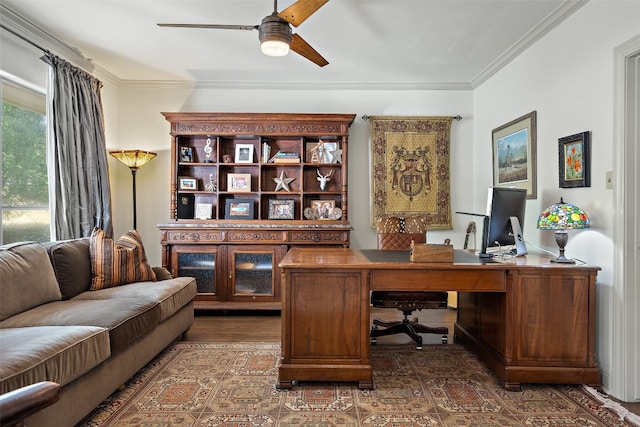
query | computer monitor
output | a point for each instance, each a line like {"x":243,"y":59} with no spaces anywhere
{"x":502,"y":223}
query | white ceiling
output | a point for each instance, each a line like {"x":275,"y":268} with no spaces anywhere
{"x":419,"y":44}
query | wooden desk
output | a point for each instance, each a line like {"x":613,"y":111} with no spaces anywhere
{"x":529,"y":320}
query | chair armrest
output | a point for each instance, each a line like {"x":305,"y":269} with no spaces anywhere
{"x":19,"y":404}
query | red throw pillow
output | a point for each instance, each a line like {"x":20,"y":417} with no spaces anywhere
{"x":118,"y":263}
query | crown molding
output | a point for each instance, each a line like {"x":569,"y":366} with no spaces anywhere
{"x":32,"y":34}
{"x":288,"y":85}
{"x":551,"y":21}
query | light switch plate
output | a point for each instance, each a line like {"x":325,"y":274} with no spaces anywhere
{"x":609,"y":180}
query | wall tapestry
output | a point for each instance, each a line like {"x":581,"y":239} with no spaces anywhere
{"x":410,"y":168}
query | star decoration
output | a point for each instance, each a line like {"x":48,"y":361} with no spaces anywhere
{"x":336,"y":156}
{"x":282,"y":182}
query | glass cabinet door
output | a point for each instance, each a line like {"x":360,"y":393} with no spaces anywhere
{"x":202,"y":263}
{"x":251,"y":272}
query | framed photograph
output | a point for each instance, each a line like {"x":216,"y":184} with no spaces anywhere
{"x":323,"y":208}
{"x":186,"y":154}
{"x":514,"y":154}
{"x":281,"y":209}
{"x":239,"y":209}
{"x":187,"y":183}
{"x":574,"y":160}
{"x":244,"y":153}
{"x":203,"y":210}
{"x":239,"y":182}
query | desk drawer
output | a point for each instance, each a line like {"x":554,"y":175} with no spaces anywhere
{"x":475,"y":280}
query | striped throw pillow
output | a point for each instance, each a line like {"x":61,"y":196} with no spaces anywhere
{"x":118,"y":263}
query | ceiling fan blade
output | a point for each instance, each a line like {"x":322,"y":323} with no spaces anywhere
{"x":212,"y":26}
{"x":301,"y":47}
{"x":299,"y":11}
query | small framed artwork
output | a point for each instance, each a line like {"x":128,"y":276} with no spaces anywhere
{"x":239,"y":182}
{"x":514,"y":154}
{"x":244,"y":153}
{"x":187,"y":183}
{"x":203,"y":210}
{"x":574,"y":160}
{"x":281,"y":209}
{"x":239,"y":209}
{"x":323,"y":208}
{"x":186,"y":154}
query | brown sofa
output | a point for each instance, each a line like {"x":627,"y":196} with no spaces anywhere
{"x":53,"y":328}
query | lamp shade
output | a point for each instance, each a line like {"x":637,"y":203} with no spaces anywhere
{"x":133,"y":159}
{"x":563,"y":216}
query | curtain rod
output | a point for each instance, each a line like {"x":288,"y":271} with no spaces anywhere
{"x":458,"y":117}
{"x":21,"y":37}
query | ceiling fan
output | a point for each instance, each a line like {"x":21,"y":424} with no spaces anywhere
{"x":276,"y":37}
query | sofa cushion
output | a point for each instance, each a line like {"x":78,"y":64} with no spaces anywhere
{"x":126,"y":318}
{"x":26,"y":278}
{"x":118,"y":263}
{"x":72,"y":265}
{"x":171,"y":295}
{"x":53,"y":353}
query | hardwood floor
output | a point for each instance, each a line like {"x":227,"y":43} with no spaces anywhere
{"x":264,"y":326}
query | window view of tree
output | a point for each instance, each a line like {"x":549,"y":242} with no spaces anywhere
{"x":25,"y":197}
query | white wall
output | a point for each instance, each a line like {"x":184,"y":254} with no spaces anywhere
{"x":142,"y":126}
{"x":568,"y":78}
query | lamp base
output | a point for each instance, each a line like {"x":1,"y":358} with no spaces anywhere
{"x":561,"y":239}
{"x":561,"y":259}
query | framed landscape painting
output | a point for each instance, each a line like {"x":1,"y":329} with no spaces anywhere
{"x":514,"y":154}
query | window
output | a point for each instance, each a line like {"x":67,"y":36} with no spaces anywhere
{"x":23,"y":150}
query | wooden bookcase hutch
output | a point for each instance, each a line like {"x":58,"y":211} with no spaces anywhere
{"x":235,"y":212}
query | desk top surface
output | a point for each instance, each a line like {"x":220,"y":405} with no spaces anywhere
{"x":378,"y":259}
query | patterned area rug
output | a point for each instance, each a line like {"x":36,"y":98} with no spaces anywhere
{"x":207,"y":384}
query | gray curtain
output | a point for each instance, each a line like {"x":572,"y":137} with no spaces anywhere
{"x":80,"y":196}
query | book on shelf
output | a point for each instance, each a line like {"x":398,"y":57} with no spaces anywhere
{"x":285,"y":157}
{"x":289,"y":160}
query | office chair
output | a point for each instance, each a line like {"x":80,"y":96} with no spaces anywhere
{"x":395,"y":233}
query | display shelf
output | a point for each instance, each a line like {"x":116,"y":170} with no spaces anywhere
{"x":224,"y":163}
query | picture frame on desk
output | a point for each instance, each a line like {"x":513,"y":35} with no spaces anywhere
{"x":187,"y":183}
{"x":244,"y":153}
{"x":514,"y":154}
{"x":574,"y":161}
{"x":239,"y":183}
{"x":238,"y":209}
{"x":281,"y":209}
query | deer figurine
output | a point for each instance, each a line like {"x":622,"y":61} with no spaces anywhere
{"x":323,"y":179}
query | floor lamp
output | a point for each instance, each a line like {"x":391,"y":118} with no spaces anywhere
{"x":133,"y":159}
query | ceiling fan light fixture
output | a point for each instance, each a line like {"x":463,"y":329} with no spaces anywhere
{"x":274,"y":48}
{"x":275,"y":36}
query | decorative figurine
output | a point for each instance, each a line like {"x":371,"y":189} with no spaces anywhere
{"x":208,"y":150}
{"x":282,"y":182}
{"x":211,"y":185}
{"x":323,"y":179}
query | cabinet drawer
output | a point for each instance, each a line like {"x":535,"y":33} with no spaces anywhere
{"x":265,"y":236}
{"x":315,"y":237}
{"x":195,"y":236}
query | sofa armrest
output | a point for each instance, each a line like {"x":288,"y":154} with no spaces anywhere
{"x":19,"y":404}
